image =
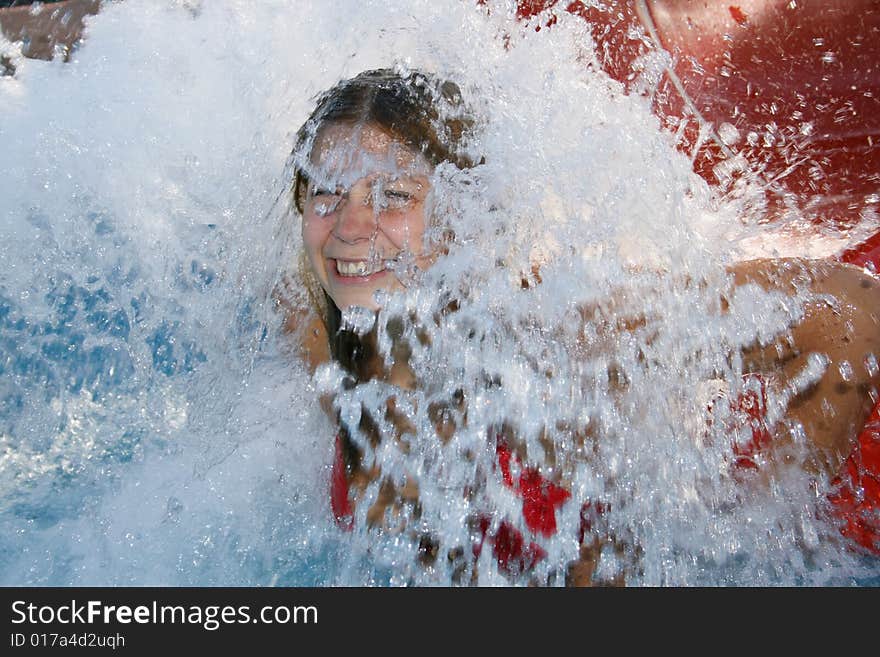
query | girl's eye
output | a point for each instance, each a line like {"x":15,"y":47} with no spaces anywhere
{"x":395,"y":198}
{"x":325,"y":201}
{"x":326,"y":207}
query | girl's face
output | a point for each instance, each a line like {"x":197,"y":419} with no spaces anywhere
{"x":364,"y":212}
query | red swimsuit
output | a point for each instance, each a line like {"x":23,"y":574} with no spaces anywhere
{"x":540,"y":499}
{"x":855,"y":500}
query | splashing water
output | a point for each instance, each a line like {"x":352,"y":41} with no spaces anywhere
{"x":157,"y":429}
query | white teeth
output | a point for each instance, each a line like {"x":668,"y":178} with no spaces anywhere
{"x":358,"y":268}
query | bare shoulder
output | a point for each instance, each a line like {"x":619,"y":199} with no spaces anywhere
{"x":793,"y":274}
{"x":844,"y":301}
{"x":43,"y":28}
{"x":841,"y":323}
{"x":303,"y":325}
{"x":308,"y":332}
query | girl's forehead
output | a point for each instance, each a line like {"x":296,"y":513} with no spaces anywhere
{"x":348,"y":152}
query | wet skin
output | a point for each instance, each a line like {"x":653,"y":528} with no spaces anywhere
{"x":842,"y":323}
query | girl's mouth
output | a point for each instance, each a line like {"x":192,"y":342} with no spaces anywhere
{"x":357,"y":267}
{"x":358,"y":271}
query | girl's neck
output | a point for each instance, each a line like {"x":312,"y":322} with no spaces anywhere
{"x":359,"y":354}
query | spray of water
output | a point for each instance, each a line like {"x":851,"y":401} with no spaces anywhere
{"x":156,"y":426}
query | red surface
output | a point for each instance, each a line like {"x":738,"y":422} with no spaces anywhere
{"x":866,"y":254}
{"x":856,"y":501}
{"x":798,"y":79}
{"x":340,"y":503}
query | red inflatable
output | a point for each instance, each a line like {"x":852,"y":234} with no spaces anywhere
{"x":786,"y":90}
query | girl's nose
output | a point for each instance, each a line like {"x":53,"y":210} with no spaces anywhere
{"x":355,"y":219}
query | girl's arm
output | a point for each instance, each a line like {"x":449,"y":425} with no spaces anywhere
{"x":842,"y":326}
{"x":55,"y":24}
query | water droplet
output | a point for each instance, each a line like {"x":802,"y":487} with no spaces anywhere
{"x":173,"y":509}
{"x":358,"y":319}
{"x":728,"y":134}
{"x":871,"y":365}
